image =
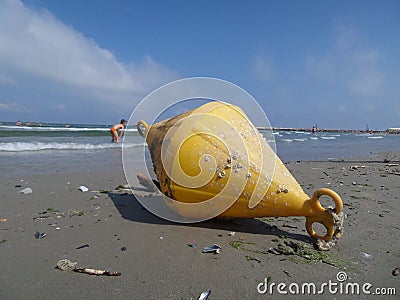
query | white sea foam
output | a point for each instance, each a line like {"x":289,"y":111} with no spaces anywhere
{"x":38,"y":146}
{"x":313,"y":138}
{"x":287,"y":140}
{"x":328,"y":138}
{"x":375,"y":137}
{"x":299,"y":140}
{"x":38,"y":128}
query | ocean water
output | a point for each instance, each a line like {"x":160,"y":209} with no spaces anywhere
{"x":54,"y":148}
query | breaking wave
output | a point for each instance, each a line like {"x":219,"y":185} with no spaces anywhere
{"x":39,"y":146}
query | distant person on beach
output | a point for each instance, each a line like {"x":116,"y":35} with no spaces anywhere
{"x":314,"y":129}
{"x":114,"y":131}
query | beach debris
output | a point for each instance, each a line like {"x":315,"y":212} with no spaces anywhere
{"x":50,"y":210}
{"x":274,"y":251}
{"x":192,"y":246}
{"x":354,"y":183}
{"x":212,"y":249}
{"x":25,"y":191}
{"x":40,"y":235}
{"x":396,"y":271}
{"x":17,"y":186}
{"x":285,"y":249}
{"x":73,"y":212}
{"x":122,"y":187}
{"x":123,"y":248}
{"x":289,"y":226}
{"x":287,"y":273}
{"x":67,"y":265}
{"x":392,"y":165}
{"x":146,"y":182}
{"x":82,"y":246}
{"x":3,"y":220}
{"x":366,"y":255}
{"x":204,"y":295}
{"x":249,"y":258}
{"x":232,"y":233}
{"x":3,"y":241}
{"x":296,"y":249}
{"x":356,"y":167}
{"x":393,"y":173}
{"x":83,"y":188}
{"x":41,"y":217}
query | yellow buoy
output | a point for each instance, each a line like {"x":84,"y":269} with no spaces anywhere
{"x":214,"y":156}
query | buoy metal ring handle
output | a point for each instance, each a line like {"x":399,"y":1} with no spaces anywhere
{"x":323,"y":216}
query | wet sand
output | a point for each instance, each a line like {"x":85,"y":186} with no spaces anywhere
{"x":154,"y":257}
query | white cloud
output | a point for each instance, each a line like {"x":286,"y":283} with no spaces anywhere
{"x":7,"y":80}
{"x":368,"y":83}
{"x":4,"y":106}
{"x":351,"y":64}
{"x":321,"y":67}
{"x":59,"y":106}
{"x":370,"y":107}
{"x":11,"y":107}
{"x":346,"y":35}
{"x":397,"y":109}
{"x":263,"y":67}
{"x":36,"y":44}
{"x":369,"y":79}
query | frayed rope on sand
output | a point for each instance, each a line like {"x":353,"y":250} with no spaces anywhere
{"x":338,"y":220}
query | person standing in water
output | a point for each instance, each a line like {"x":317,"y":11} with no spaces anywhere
{"x":114,"y":131}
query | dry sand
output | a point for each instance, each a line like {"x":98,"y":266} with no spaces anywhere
{"x":157,"y":263}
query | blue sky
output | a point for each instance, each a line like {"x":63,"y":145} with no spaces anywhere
{"x":334,"y":63}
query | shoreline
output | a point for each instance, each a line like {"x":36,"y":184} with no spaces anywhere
{"x":105,"y":127}
{"x":394,"y":131}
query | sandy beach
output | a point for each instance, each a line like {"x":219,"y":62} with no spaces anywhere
{"x":111,"y":231}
